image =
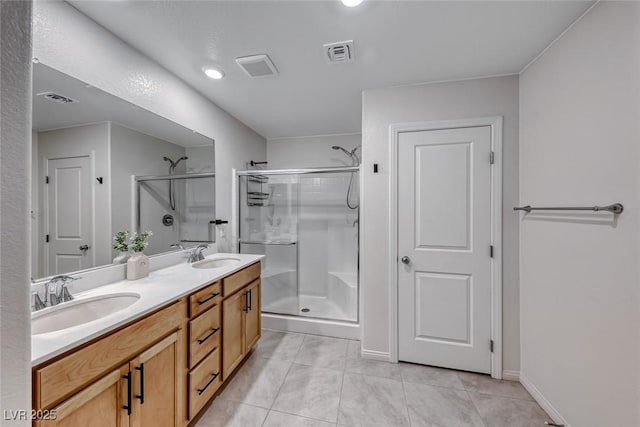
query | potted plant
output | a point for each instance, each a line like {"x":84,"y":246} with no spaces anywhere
{"x":138,"y":264}
{"x":121,"y":245}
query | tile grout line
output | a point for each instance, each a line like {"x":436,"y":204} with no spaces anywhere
{"x":406,"y":403}
{"x":285,"y":379}
{"x":344,"y":374}
{"x":476,"y":408}
{"x":300,"y":416}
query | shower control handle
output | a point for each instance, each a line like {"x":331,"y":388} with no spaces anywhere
{"x":405,"y":260}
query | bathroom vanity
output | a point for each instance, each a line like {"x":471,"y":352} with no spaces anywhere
{"x":158,"y":361}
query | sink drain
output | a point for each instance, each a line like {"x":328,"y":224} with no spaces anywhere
{"x":305,"y":310}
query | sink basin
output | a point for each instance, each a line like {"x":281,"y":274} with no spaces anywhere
{"x":80,"y":311}
{"x":216,"y":263}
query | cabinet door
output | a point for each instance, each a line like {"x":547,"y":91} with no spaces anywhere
{"x":233,"y":318}
{"x":155,"y":374}
{"x":102,"y":404}
{"x":252,"y":322}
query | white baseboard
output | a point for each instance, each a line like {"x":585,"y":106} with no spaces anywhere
{"x":511,"y":375}
{"x":375,"y":355}
{"x":542,"y":401}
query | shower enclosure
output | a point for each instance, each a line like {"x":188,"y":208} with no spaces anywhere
{"x":178,"y":208}
{"x":306,"y":223}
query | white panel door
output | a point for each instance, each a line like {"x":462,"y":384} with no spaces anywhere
{"x":444,"y":237}
{"x":69,"y":210}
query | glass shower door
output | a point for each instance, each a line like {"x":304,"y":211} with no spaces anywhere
{"x":268,"y":225}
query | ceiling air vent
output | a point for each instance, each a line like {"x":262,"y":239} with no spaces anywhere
{"x":257,"y":66}
{"x":339,"y":51}
{"x":56,"y":97}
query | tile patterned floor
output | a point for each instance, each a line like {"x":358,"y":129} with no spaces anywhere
{"x":294,"y":380}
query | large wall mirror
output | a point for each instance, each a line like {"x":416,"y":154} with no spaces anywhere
{"x":101,"y":165}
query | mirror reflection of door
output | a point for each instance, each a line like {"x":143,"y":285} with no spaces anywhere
{"x":69,"y":215}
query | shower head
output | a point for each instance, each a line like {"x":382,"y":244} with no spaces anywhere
{"x":337,"y":147}
{"x":352,"y":154}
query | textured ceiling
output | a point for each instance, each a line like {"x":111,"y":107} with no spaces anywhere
{"x":396,"y":43}
{"x":96,"y":106}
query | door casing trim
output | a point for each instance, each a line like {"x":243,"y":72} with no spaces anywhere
{"x":496,"y":227}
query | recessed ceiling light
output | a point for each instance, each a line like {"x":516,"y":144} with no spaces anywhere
{"x":213,"y":73}
{"x":351,"y":3}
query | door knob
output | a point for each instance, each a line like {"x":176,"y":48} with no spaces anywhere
{"x":405,"y":259}
{"x":84,"y":248}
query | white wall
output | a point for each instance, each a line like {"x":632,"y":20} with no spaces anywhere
{"x":310,"y":151}
{"x":15,"y":171}
{"x":90,"y":140}
{"x":70,"y":42}
{"x":580,"y":292}
{"x":134,"y":153}
{"x":455,"y":100}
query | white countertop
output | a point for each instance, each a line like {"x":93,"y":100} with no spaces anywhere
{"x":160,"y":288}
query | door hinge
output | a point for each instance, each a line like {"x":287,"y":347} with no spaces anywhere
{"x":491,"y":345}
{"x":46,"y":180}
{"x":46,"y":238}
{"x":492,"y":157}
{"x":491,"y":251}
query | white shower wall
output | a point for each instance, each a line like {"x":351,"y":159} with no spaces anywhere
{"x":327,"y":232}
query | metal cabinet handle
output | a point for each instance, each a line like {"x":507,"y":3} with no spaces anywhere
{"x":213,"y":331}
{"x":141,"y":395}
{"x":213,"y":295}
{"x":250,"y":299}
{"x":128,"y":405}
{"x":405,"y":260}
{"x":213,"y":378}
{"x":246,"y":302}
{"x":84,"y":248}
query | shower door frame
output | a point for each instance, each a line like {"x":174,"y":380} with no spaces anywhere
{"x":303,"y":171}
{"x":138,"y":179}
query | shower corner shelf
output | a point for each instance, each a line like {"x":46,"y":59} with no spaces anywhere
{"x":256,"y":196}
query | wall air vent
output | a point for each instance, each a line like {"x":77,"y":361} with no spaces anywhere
{"x":339,"y":52}
{"x":257,"y":66}
{"x":56,"y":97}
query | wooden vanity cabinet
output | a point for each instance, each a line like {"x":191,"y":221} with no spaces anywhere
{"x":155,"y":374}
{"x":204,"y":376}
{"x":142,"y":389}
{"x":252,"y":327}
{"x":160,"y":370}
{"x":99,"y":405}
{"x":241,"y":314}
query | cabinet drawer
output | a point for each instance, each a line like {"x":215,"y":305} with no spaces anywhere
{"x":59,"y":379}
{"x":241,"y":278}
{"x":204,"y":335}
{"x":204,"y":380}
{"x":204,"y":299}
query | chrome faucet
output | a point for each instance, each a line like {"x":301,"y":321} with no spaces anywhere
{"x":196,"y":253}
{"x":54,"y":294}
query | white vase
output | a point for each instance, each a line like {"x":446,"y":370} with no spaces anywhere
{"x":137,"y":266}
{"x":122,"y":257}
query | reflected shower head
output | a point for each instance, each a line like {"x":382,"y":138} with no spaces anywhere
{"x":174,"y":164}
{"x":337,"y":147}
